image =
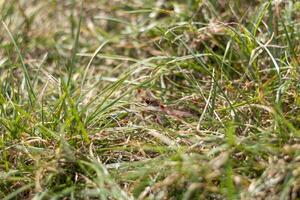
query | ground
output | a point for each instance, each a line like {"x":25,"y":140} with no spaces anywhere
{"x":149,"y":99}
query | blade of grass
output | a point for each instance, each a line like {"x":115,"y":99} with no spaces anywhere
{"x":30,"y":91}
{"x":75,"y":48}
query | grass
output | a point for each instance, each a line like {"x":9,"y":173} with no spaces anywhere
{"x":149,"y":99}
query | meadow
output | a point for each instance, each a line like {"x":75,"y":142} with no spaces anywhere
{"x":150,"y":99}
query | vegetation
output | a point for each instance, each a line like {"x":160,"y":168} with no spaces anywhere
{"x":149,"y":99}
